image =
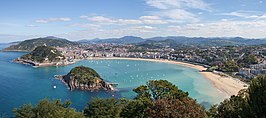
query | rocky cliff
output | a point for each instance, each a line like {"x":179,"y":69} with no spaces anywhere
{"x":85,"y":78}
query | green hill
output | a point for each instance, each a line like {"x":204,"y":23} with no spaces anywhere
{"x":43,"y":54}
{"x":85,"y":75}
{"x":86,"y":78}
{"x":29,"y":45}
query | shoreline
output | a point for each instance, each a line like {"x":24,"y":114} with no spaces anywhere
{"x":228,"y":85}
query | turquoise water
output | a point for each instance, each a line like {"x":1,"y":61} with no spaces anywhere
{"x":20,"y":84}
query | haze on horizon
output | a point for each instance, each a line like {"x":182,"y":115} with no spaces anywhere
{"x":79,"y":19}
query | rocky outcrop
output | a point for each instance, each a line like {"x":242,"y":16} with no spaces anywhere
{"x":73,"y":82}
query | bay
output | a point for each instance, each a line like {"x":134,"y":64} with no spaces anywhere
{"x":21,"y":84}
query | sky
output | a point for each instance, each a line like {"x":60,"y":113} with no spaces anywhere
{"x":89,"y":19}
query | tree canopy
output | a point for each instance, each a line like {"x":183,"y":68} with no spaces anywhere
{"x":248,"y":103}
{"x":85,"y":74}
{"x":41,"y":53}
{"x":47,"y":109}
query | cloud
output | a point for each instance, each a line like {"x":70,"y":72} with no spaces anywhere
{"x":101,"y":19}
{"x":7,"y":38}
{"x":180,"y":15}
{"x":30,"y":25}
{"x":178,"y":4}
{"x":52,"y":20}
{"x":243,"y":14}
{"x":87,"y":25}
{"x":223,"y":28}
{"x":152,"y":20}
{"x":140,"y":30}
{"x":114,"y":21}
{"x":253,"y":15}
{"x":179,"y":9}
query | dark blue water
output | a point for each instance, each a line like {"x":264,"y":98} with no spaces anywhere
{"x":21,"y":84}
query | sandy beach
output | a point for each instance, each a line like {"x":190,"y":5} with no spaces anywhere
{"x":228,"y":85}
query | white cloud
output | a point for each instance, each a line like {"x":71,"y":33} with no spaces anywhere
{"x":150,"y":20}
{"x":111,"y":21}
{"x":87,"y":25}
{"x":141,"y":30}
{"x":30,"y":25}
{"x":83,"y":16}
{"x":101,"y":19}
{"x":178,"y":4}
{"x":180,"y":15}
{"x":242,"y":14}
{"x":223,"y":28}
{"x":128,"y":21}
{"x":179,"y":9}
{"x":6,"y":38}
{"x":52,"y":20}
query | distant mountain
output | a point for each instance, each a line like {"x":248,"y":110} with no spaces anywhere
{"x":178,"y":40}
{"x":122,"y":40}
{"x":29,"y":45}
{"x":158,"y":42}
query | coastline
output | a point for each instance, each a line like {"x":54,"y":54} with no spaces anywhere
{"x":228,"y":85}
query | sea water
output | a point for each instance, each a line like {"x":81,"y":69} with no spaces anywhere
{"x":22,"y":84}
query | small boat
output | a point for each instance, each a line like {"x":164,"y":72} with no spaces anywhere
{"x":54,"y":87}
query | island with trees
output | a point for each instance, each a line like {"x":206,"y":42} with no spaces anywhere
{"x":42,"y":56}
{"x":85,"y":78}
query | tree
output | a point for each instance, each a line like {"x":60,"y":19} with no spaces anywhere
{"x":232,"y":108}
{"x":25,"y":111}
{"x":257,"y":96}
{"x":135,"y":109}
{"x":47,"y":109}
{"x":177,"y":108}
{"x":163,"y":99}
{"x":248,"y":103}
{"x":107,"y":108}
{"x":159,"y":89}
{"x":250,"y":59}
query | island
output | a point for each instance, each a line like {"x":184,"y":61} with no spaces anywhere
{"x":43,"y":56}
{"x":85,"y":78}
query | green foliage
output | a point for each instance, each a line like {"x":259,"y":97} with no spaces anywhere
{"x":103,"y":108}
{"x":85,"y":74}
{"x":177,"y":108}
{"x":47,"y":109}
{"x":230,"y":66}
{"x":248,"y":103}
{"x":25,"y":111}
{"x":160,"y":89}
{"x":159,"y":98}
{"x":257,"y":96}
{"x":135,"y":109}
{"x":143,"y":93}
{"x":213,"y":111}
{"x":250,"y":59}
{"x":40,"y":53}
{"x":29,"y":45}
{"x":232,"y":108}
